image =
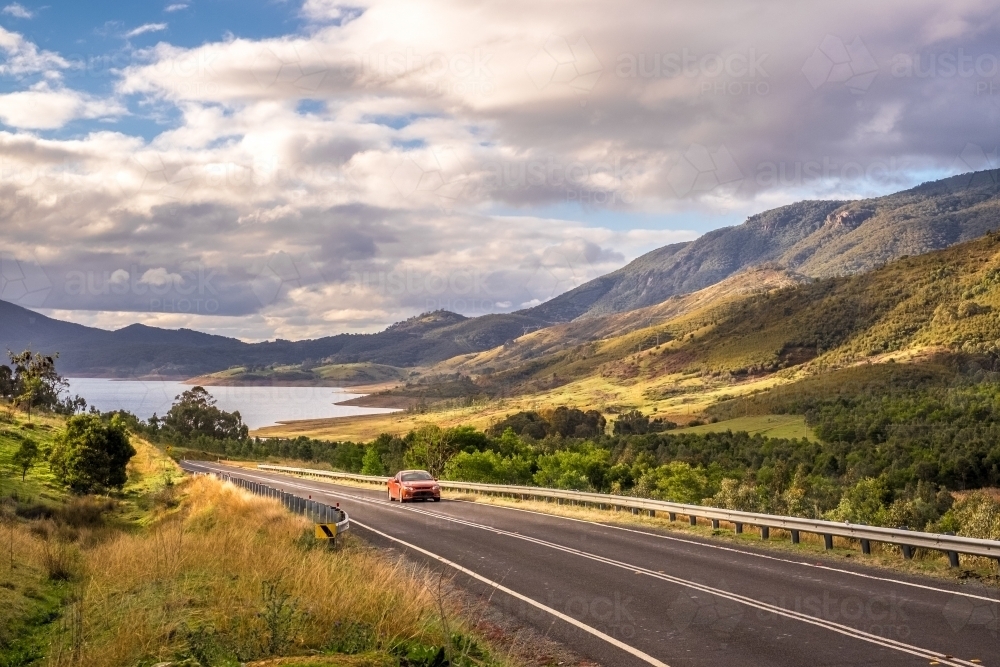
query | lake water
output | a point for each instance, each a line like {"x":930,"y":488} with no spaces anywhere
{"x":259,"y":406}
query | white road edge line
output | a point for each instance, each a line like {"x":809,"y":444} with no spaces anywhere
{"x":774,"y":609}
{"x":828,"y":625}
{"x":682,"y":540}
{"x":645,"y":657}
{"x":672,"y":538}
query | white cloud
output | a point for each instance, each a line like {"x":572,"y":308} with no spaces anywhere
{"x":22,"y":57}
{"x":159,"y":277}
{"x":18,"y":11}
{"x":176,"y":7}
{"x":148,"y":27}
{"x":408,"y":144}
{"x":42,"y":108}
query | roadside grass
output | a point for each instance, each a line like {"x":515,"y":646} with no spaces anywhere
{"x":231,"y":578}
{"x":193,"y":571}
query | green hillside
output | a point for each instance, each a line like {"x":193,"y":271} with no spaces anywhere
{"x":947,"y":300}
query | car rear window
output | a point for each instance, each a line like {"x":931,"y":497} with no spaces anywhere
{"x":417,"y":476}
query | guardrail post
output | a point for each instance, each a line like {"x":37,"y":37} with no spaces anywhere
{"x":672,"y":516}
{"x":952,"y":555}
{"x":693,"y":520}
{"x":906,"y":548}
{"x":652,"y":512}
{"x":795,"y":537}
{"x":827,"y":541}
{"x":739,"y":528}
{"x":866,"y":547}
{"x":765,"y":532}
{"x":715,"y":524}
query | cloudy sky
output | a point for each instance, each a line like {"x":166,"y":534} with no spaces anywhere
{"x":284,"y":169}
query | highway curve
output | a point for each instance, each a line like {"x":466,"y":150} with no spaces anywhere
{"x":636,"y":597}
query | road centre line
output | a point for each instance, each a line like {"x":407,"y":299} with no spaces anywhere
{"x":829,"y":625}
{"x":672,"y":538}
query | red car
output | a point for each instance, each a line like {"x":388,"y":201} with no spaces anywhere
{"x":410,"y":485}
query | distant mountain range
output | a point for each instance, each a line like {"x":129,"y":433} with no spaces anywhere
{"x":814,"y":238}
{"x":809,"y":238}
{"x":141,"y":351}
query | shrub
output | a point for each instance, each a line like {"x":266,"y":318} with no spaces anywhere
{"x":976,"y":515}
{"x":92,"y":454}
{"x":676,"y":482}
{"x":488,"y":468}
{"x":582,"y":469}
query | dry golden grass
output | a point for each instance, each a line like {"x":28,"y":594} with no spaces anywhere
{"x":218,"y":570}
{"x":329,"y":661}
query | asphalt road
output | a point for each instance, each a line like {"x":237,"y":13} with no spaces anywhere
{"x":637,"y":597}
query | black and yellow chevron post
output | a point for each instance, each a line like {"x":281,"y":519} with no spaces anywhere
{"x":327,"y":532}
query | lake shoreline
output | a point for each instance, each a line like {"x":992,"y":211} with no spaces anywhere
{"x":259,"y":406}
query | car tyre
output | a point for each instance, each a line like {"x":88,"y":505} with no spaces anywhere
{"x":437,"y":500}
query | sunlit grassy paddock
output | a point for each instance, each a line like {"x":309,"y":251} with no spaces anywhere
{"x":772,"y":426}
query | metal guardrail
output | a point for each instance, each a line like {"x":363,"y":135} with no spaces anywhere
{"x":318,"y":513}
{"x":907,"y":540}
